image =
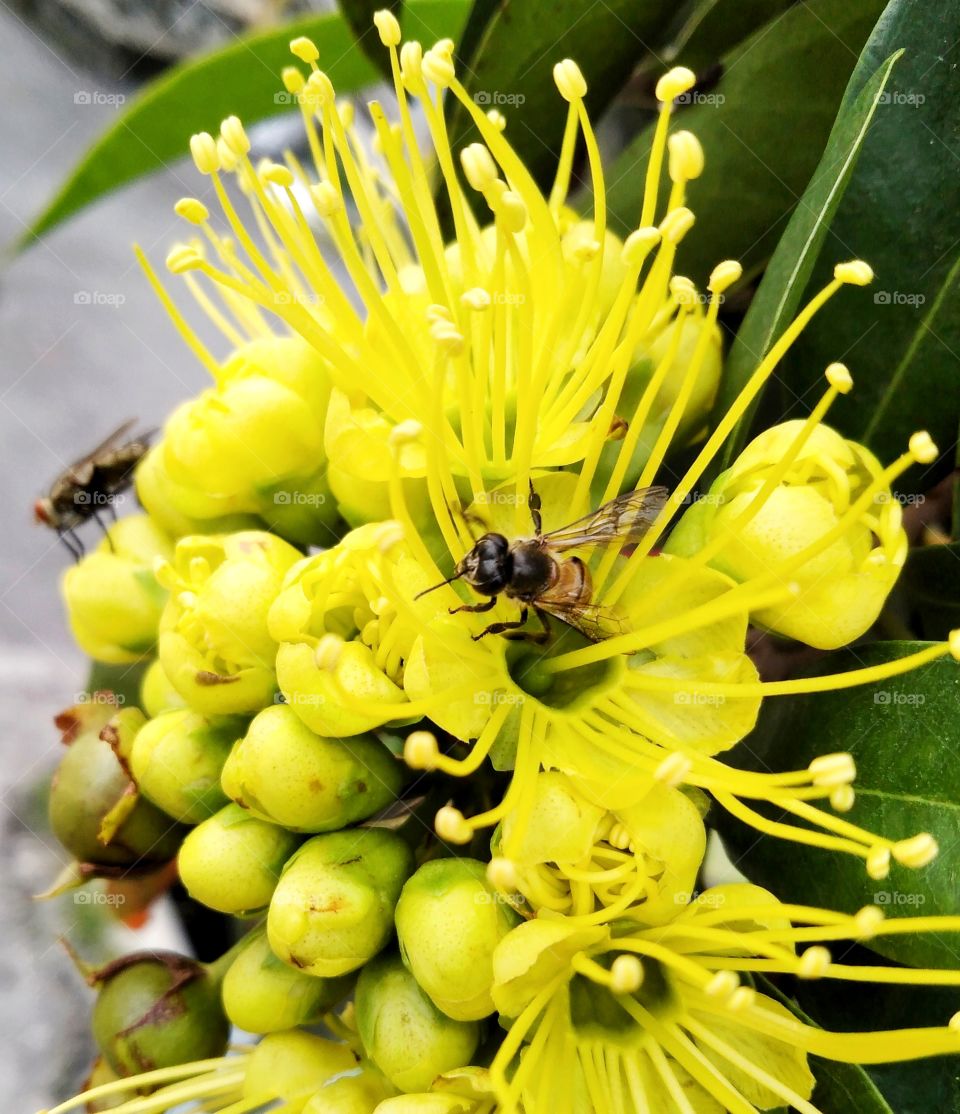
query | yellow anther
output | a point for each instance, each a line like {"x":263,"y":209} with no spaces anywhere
{"x":411,"y":66}
{"x":328,"y":651}
{"x":406,"y":431}
{"x":833,"y":769}
{"x":232,"y":132}
{"x":277,"y":174}
{"x":626,"y":974}
{"x":724,"y":275}
{"x":674,"y":83}
{"x":182,"y":258}
{"x":451,"y":826}
{"x":229,"y":159}
{"x":838,"y":375}
{"x":438,"y":64}
{"x":843,"y":798}
{"x":570,"y":80}
{"x":387,"y":25}
{"x":502,"y":874}
{"x":676,"y":224}
{"x":922,"y":448}
{"x":320,"y":88}
{"x":586,"y":250}
{"x":917,"y":851}
{"x":878,"y":863}
{"x":420,"y":750}
{"x":814,"y":963}
{"x":953,"y":641}
{"x":476,"y":298}
{"x":638,"y":245}
{"x":867,"y":921}
{"x":684,"y":290}
{"x":954,"y":1023}
{"x":722,"y":984}
{"x":478,"y":166}
{"x":447,"y":336}
{"x":187,"y":599}
{"x":293,"y":80}
{"x":387,"y":535}
{"x":673,"y":770}
{"x":512,"y":213}
{"x":437,"y":312}
{"x":497,"y":118}
{"x":203,"y":148}
{"x":191,"y":210}
{"x":741,"y":999}
{"x":326,"y":198}
{"x":305,"y":49}
{"x":619,"y":837}
{"x":685,"y":160}
{"x":854,"y":273}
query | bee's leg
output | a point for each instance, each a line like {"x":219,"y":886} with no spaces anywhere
{"x":535,"y":511}
{"x":545,"y":620}
{"x":511,"y":629}
{"x":487,"y":605}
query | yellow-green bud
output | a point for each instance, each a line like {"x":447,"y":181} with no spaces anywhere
{"x":112,"y":597}
{"x":281,"y":771}
{"x":232,"y":861}
{"x":157,"y":695}
{"x":360,"y":1092}
{"x":403,"y":1032}
{"x":449,"y":920}
{"x":843,"y":586}
{"x":262,"y":994}
{"x":176,"y":761}
{"x":333,"y":907}
{"x":214,"y":642}
{"x":292,"y":1066}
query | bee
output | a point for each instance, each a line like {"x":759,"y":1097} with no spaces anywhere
{"x":533,"y":571}
{"x":89,"y":484}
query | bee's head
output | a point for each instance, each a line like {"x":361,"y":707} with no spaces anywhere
{"x":43,"y":512}
{"x":488,"y":566}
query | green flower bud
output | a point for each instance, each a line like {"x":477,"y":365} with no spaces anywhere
{"x":94,"y":808}
{"x":293,"y":1066}
{"x":403,"y":1032}
{"x":341,"y":597}
{"x":262,"y":994}
{"x":844,"y":584}
{"x":157,"y":695}
{"x":176,"y":760}
{"x":360,"y":1092}
{"x":157,"y":1009}
{"x":281,"y":771}
{"x":112,"y":597}
{"x":449,"y":920}
{"x":214,"y":642}
{"x":333,"y":907}
{"x":231,"y":862}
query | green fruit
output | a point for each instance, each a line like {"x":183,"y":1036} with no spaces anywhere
{"x":261,"y":994}
{"x":157,"y":1009}
{"x":403,"y":1032}
{"x":449,"y":920}
{"x":232,"y":861}
{"x":292,"y":1066}
{"x":283,"y":772}
{"x":333,"y":907}
{"x":177,"y":760}
{"x":361,"y":1092}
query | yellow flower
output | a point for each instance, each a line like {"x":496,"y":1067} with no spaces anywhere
{"x":613,"y":1016}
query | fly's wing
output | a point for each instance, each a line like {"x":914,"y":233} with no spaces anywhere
{"x":81,"y":470}
{"x":591,"y":619}
{"x":626,"y":518}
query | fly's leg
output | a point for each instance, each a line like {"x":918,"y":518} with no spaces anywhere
{"x":535,"y":511}
{"x":103,"y":527}
{"x":487,"y":605}
{"x":72,"y":543}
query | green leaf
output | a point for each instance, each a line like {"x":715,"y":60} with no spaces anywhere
{"x":512,"y":66}
{"x":904,"y":735}
{"x":122,"y":680}
{"x":243,"y":80}
{"x":779,"y":295}
{"x":840,"y":1088}
{"x":902,"y":214}
{"x":763,"y":127}
{"x":359,"y":15}
{"x":931,"y":579}
{"x":713,"y":27}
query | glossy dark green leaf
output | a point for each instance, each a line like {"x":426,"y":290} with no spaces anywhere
{"x":931,"y":579}
{"x":244,"y":80}
{"x":904,"y":735}
{"x":901,"y":337}
{"x":512,"y":66}
{"x":710,"y":28}
{"x":763,"y":127}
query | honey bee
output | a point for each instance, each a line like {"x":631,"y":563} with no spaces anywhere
{"x":91,"y":484}
{"x":533,"y":572}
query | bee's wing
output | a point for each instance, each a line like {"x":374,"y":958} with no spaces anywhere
{"x":591,"y":619}
{"x":80,"y":471}
{"x":628,"y":518}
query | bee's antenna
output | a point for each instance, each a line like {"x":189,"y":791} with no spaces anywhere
{"x":449,"y":580}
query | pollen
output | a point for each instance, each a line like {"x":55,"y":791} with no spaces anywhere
{"x":569,"y":80}
{"x":854,"y":273}
{"x":674,"y":83}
